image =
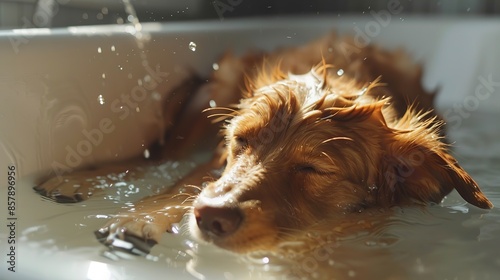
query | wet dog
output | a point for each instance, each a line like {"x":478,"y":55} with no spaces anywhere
{"x":310,"y":134}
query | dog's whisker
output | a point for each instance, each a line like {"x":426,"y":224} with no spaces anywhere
{"x":225,"y":115}
{"x":177,"y":195}
{"x":220,"y":117}
{"x":220,"y":108}
{"x":193,"y":186}
{"x":189,"y":199}
{"x":336,"y":139}
{"x":326,"y":155}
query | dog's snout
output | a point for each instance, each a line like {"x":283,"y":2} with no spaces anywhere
{"x":218,"y":221}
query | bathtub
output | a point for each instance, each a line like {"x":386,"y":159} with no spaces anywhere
{"x":77,"y":96}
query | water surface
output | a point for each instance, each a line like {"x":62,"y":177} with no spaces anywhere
{"x":453,"y":240}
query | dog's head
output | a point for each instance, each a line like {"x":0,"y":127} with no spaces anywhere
{"x":305,"y":148}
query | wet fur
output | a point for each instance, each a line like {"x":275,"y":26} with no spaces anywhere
{"x":366,"y":139}
{"x":303,"y":144}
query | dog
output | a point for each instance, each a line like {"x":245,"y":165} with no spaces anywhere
{"x":308,"y":134}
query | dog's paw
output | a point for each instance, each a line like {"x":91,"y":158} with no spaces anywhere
{"x":133,"y":235}
{"x":68,"y":189}
{"x":138,"y":232}
{"x":81,"y":185}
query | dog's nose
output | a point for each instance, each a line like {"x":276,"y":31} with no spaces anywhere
{"x":218,"y":221}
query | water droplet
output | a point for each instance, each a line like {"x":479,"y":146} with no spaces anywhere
{"x":85,"y":16}
{"x":215,"y":66}
{"x":99,"y":50}
{"x":137,"y":109}
{"x":100,"y":99}
{"x":104,"y":10}
{"x":420,"y":267}
{"x":100,"y":216}
{"x":468,"y":9}
{"x":119,"y":20}
{"x":340,"y":72}
{"x":156,"y":96}
{"x":120,"y":67}
{"x":371,"y":243}
{"x":212,"y":103}
{"x":330,"y":49}
{"x":152,"y":258}
{"x":265,"y":260}
{"x":100,"y":16}
{"x":351,"y":273}
{"x":192,"y":46}
{"x":103,"y":75}
{"x":113,"y":48}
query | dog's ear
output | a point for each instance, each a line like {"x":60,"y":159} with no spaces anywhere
{"x":416,"y":166}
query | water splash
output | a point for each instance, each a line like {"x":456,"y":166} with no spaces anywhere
{"x":141,"y":38}
{"x":136,"y":28}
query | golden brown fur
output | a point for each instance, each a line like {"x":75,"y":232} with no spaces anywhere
{"x":294,"y":160}
{"x":320,"y":131}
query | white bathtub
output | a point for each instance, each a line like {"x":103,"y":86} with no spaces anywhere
{"x":57,"y":83}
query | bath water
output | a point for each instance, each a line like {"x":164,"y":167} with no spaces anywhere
{"x":453,"y":240}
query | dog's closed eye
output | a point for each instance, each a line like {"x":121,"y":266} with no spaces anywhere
{"x":308,"y":168}
{"x":240,"y":144}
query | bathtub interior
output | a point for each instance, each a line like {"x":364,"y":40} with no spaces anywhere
{"x":58,"y":83}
